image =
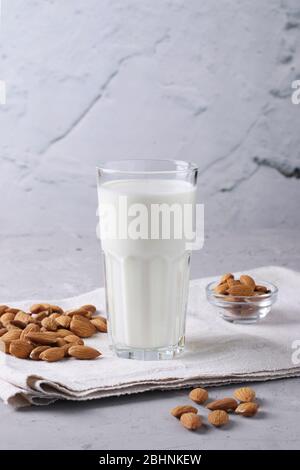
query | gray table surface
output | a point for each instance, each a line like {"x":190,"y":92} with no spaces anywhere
{"x":142,"y":421}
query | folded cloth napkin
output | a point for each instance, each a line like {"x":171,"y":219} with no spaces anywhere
{"x":217,"y":353}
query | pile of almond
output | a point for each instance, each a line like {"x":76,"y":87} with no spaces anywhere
{"x":244,"y":286}
{"x":49,"y":333}
{"x":243,"y":404}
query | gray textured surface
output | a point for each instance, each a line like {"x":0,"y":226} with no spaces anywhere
{"x":94,"y":80}
{"x":144,"y":422}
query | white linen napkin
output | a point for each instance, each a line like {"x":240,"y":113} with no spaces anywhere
{"x":217,"y":352}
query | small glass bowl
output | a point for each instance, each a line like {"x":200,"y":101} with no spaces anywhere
{"x":242,"y":309}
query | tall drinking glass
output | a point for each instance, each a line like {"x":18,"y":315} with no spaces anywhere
{"x":147,"y":212}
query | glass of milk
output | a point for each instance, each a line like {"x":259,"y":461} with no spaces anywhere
{"x":146,"y":212}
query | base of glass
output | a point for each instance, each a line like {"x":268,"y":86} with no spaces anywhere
{"x":246,"y":317}
{"x":155,"y":354}
{"x":244,"y":321}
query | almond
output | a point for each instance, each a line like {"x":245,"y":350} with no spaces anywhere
{"x":83,"y":352}
{"x":55,"y":309}
{"x":63,"y":320}
{"x":66,"y":348}
{"x":62,"y":332}
{"x":11,"y":335}
{"x":181,"y":409}
{"x":50,"y":324}
{"x":89,"y":308}
{"x":40,"y":316}
{"x":6,"y":318}
{"x":247,"y":281}
{"x":240,"y":290}
{"x":225,"y":277}
{"x":198,"y":395}
{"x":78,"y":311}
{"x":3,"y":309}
{"x":12,"y":310}
{"x":12,"y":326}
{"x":47,"y":328}
{"x":244,"y":394}
{"x":247,"y":409}
{"x":20,"y":348}
{"x":233,"y":282}
{"x":82,"y":326}
{"x":31,"y":327}
{"x":226,"y":404}
{"x":100,"y":323}
{"x":47,"y":338}
{"x":191,"y":421}
{"x":61,"y":342}
{"x":218,"y":418}
{"x":22,"y":317}
{"x":4,"y":346}
{"x":231,"y":298}
{"x":16,"y":324}
{"x":52,"y":354}
{"x":53,"y":316}
{"x":38,"y":308}
{"x":221,"y":288}
{"x":73,"y":339}
{"x":35,"y":353}
{"x":262,"y":289}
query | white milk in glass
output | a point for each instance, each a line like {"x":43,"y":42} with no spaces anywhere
{"x":146,"y":279}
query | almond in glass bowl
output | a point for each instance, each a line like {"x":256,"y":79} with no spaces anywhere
{"x":242,"y":300}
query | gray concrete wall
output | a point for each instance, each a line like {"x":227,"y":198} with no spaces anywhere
{"x":91,"y":80}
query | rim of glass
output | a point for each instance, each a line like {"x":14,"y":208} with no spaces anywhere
{"x":179,"y":166}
